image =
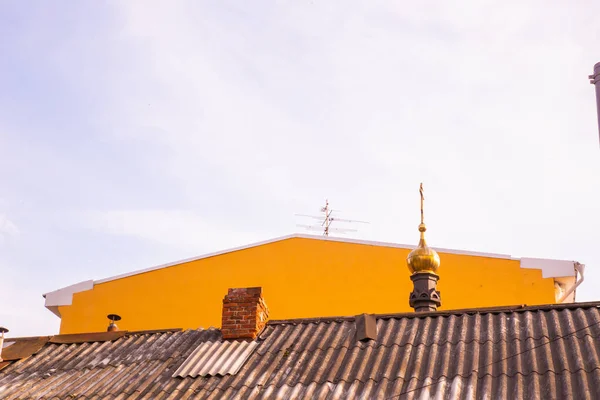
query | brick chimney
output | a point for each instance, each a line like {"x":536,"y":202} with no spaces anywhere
{"x":245,"y":313}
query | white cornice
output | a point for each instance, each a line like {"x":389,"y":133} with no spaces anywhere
{"x":64,"y":296}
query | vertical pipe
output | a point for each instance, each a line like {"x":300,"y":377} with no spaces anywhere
{"x":3,"y":330}
{"x":595,"y":80}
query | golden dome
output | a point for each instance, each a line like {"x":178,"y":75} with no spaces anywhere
{"x":423,"y":258}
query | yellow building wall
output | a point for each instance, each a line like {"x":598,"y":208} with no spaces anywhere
{"x":300,"y":278}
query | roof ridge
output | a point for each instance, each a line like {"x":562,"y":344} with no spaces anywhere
{"x":378,"y":344}
{"x":350,"y":318}
{"x":125,"y":334}
{"x":444,"y":313}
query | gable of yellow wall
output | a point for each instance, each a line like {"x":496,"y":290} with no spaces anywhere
{"x":300,"y":278}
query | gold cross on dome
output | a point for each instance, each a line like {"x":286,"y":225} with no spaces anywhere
{"x":422,"y":200}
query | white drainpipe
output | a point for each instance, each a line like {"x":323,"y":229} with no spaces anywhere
{"x":580,"y":268}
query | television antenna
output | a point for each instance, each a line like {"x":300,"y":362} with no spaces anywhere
{"x":326,"y":220}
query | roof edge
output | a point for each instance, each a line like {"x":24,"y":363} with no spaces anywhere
{"x":103,"y":334}
{"x":303,"y":236}
{"x":444,"y":313}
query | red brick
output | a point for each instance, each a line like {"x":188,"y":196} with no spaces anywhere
{"x":245,"y":313}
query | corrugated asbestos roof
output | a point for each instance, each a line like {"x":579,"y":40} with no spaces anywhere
{"x":216,"y":358}
{"x":532,"y":353}
{"x":18,"y":349}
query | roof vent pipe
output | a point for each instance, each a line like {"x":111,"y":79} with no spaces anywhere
{"x":595,"y":80}
{"x":112,"y":327}
{"x":3,"y":330}
{"x":366,"y":327}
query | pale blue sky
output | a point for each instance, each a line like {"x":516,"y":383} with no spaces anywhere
{"x":134,"y":133}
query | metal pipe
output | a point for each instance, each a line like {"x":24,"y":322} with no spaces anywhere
{"x":595,"y":80}
{"x":3,"y":330}
{"x":580,"y":268}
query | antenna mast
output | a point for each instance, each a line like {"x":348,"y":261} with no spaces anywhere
{"x":326,"y":220}
{"x":595,"y":80}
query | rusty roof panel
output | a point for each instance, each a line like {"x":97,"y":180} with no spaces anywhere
{"x":22,"y":348}
{"x":87,"y":337}
{"x":530,"y":353}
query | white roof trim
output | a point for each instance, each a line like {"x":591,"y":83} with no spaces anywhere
{"x":302,"y":236}
{"x":64,"y":296}
{"x":216,"y":253}
{"x":550,"y":268}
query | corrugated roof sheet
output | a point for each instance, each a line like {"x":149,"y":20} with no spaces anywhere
{"x":216,"y":358}
{"x":18,"y":349}
{"x":87,"y":337}
{"x":533,"y":353}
